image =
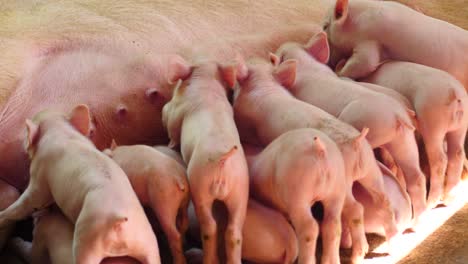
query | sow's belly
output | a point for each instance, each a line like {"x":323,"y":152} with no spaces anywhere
{"x":121,"y":92}
{"x":116,"y":86}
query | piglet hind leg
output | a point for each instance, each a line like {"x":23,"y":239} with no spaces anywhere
{"x":406,"y":155}
{"x":208,"y":230}
{"x":331,"y":228}
{"x":364,"y":60}
{"x":374,"y":186}
{"x":83,"y":253}
{"x":167,"y":216}
{"x":437,"y":157}
{"x":34,"y":198}
{"x":183,"y":217}
{"x":237,"y":207}
{"x":84,"y":248}
{"x":456,"y":156}
{"x":353,"y":220}
{"x":307,"y":230}
{"x":346,"y":241}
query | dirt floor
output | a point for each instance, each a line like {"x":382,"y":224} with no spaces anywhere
{"x":448,"y":244}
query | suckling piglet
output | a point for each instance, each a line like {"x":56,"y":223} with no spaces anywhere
{"x":160,"y":182}
{"x":89,"y":188}
{"x":264,"y":110}
{"x":441,"y":106}
{"x":200,"y":118}
{"x":389,"y":122}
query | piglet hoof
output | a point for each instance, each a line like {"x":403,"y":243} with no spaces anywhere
{"x":449,"y":198}
{"x":464,"y":175}
{"x":433,"y":202}
{"x":415,"y":223}
{"x":357,"y":259}
{"x":359,"y":252}
{"x":391,"y":231}
{"x":450,"y":195}
{"x":392,"y":243}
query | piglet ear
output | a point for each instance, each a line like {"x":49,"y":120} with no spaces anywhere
{"x":285,"y":73}
{"x":80,"y":118}
{"x":178,"y":69}
{"x":341,"y":10}
{"x":229,"y":74}
{"x":318,"y":47}
{"x":358,"y":140}
{"x":32,"y":133}
{"x":274,"y":59}
{"x":242,"y":70}
{"x":340,"y":65}
{"x":113,"y":145}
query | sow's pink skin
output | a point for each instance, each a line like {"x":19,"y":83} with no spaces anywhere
{"x":160,"y":182}
{"x":268,"y":236}
{"x":113,"y":57}
{"x":200,"y":118}
{"x":260,"y":119}
{"x":390,"y":125}
{"x":370,"y":32}
{"x":90,"y":189}
{"x":296,"y":170}
{"x":125,"y":94}
{"x":53,"y":241}
{"x":441,"y":107}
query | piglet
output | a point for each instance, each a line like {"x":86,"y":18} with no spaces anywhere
{"x":53,"y":240}
{"x":268,"y":236}
{"x":171,"y":153}
{"x":200,"y":118}
{"x":90,"y":189}
{"x":441,"y":107}
{"x":371,"y":32}
{"x":296,"y":170}
{"x":264,"y":110}
{"x":160,"y":182}
{"x":399,"y":200}
{"x":389,"y":122}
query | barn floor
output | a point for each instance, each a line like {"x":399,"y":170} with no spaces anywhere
{"x":449,"y":244}
{"x":442,"y":237}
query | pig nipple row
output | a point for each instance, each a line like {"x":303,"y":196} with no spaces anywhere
{"x":92,"y":132}
{"x":121,"y":112}
{"x":151,"y":95}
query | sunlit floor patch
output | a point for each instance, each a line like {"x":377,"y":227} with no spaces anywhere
{"x":403,"y":244}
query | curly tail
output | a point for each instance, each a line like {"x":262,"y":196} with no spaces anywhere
{"x":118,"y":222}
